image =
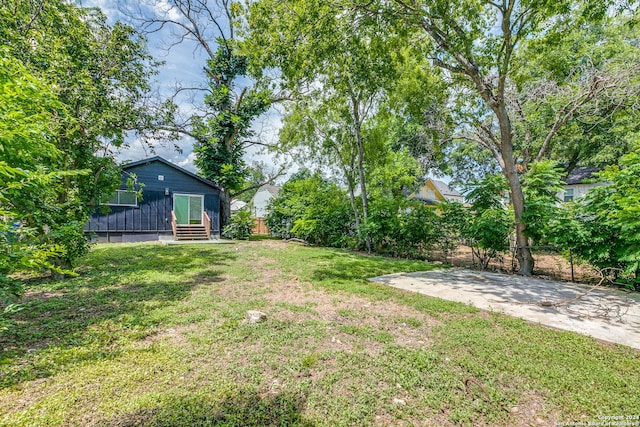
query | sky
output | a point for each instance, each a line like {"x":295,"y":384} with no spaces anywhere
{"x":183,"y":65}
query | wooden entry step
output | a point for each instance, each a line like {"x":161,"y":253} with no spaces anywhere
{"x":191,"y":232}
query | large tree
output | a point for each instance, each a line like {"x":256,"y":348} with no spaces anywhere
{"x":223,"y":110}
{"x":99,"y":74}
{"x":477,"y":42}
{"x":343,"y":71}
{"x":576,"y":90}
{"x":29,"y":168}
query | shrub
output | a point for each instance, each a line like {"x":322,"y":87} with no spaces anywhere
{"x":451,"y":222}
{"x":311,"y":208}
{"x":240,"y":226}
{"x":489,"y":224}
{"x":604,"y":228}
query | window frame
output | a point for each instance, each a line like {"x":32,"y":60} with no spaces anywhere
{"x":118,"y":203}
{"x":569,"y":195}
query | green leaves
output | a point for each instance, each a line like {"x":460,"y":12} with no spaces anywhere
{"x":490,"y":222}
{"x":222,"y":136}
{"x":70,"y":87}
{"x":541,"y":184}
{"x":240,"y":227}
{"x":311,"y":208}
{"x":623,"y":211}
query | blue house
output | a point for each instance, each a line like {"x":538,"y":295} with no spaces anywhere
{"x":175,"y":204}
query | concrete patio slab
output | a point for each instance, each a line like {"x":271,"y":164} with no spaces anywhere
{"x":606,"y":314}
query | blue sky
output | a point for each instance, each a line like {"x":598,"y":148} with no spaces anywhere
{"x":183,"y":65}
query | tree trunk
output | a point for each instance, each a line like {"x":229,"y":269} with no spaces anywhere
{"x":225,"y":208}
{"x":352,"y":201}
{"x":523,"y":253}
{"x":363,"y":186}
{"x":350,"y":183}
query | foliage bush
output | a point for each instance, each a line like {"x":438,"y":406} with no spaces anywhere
{"x":399,"y":227}
{"x":540,"y":186}
{"x":384,"y":226}
{"x":489,"y":223}
{"x":314,"y":209}
{"x":451,"y":223}
{"x":603,"y":228}
{"x":240,"y":227}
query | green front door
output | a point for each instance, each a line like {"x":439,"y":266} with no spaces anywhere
{"x":188,"y":208}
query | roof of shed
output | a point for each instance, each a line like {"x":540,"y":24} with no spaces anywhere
{"x":273,"y":189}
{"x":236,"y":205}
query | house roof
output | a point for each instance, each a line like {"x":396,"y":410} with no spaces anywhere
{"x":173,"y":165}
{"x":236,"y":205}
{"x":273,"y":189}
{"x":581,"y":174}
{"x":426,"y":201}
{"x":444,"y":189}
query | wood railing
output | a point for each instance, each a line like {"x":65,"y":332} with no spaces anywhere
{"x":207,"y":223}
{"x":173,"y":224}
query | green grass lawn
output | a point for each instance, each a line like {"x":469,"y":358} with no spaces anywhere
{"x":153,"y":335}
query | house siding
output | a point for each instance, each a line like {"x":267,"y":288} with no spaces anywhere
{"x":260,"y":202}
{"x":429,"y":192}
{"x":153,"y":213}
{"x":579,"y":190}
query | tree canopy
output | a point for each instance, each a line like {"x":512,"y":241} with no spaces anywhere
{"x":500,"y":110}
{"x":72,"y":88}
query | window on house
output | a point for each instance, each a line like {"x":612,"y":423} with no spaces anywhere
{"x":568,"y":194}
{"x":124,"y":198}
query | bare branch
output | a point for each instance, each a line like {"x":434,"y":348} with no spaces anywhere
{"x":270,"y":179}
{"x":596,"y":86}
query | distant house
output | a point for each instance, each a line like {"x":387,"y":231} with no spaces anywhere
{"x":259,"y":205}
{"x":237,"y":205}
{"x":433,"y":191}
{"x":175,"y":204}
{"x":577,"y":183}
{"x":261,"y":199}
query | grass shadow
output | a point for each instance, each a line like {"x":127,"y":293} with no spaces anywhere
{"x":117,"y":298}
{"x":246,"y":409}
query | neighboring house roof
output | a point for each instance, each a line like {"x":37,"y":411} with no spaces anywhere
{"x":581,"y":174}
{"x":444,"y":189}
{"x":173,"y":165}
{"x":261,"y":199}
{"x":433,"y":191}
{"x":273,"y":189}
{"x":236,"y":205}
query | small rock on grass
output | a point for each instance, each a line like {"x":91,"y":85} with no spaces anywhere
{"x":254,"y":316}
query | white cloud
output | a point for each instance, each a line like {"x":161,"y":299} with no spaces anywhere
{"x":176,"y":151}
{"x":164,"y":10}
{"x":188,"y":162}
